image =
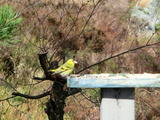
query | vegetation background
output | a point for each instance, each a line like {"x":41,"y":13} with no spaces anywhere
{"x":89,"y":30}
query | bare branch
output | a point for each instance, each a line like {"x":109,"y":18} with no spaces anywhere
{"x":38,"y":78}
{"x":122,"y":53}
{"x":73,"y":91}
{"x":27,"y":7}
{"x":32,"y":97}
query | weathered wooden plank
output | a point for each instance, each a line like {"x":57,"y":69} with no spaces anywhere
{"x":117,"y":104}
{"x":114,"y":80}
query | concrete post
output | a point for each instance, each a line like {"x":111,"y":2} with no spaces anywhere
{"x":117,"y":104}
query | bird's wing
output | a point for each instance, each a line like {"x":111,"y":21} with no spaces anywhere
{"x":66,"y":73}
{"x":62,"y":69}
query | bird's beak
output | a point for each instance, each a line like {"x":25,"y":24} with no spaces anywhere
{"x":75,"y":62}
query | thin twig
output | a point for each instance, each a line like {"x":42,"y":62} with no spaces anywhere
{"x":89,"y":99}
{"x":150,"y":38}
{"x":79,"y":35}
{"x":31,"y":84}
{"x":7,"y":98}
{"x":8,"y":84}
{"x":149,"y":104}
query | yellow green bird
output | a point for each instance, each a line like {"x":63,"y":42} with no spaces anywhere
{"x":66,"y":69}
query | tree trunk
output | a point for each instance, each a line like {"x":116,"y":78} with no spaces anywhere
{"x":55,"y":106}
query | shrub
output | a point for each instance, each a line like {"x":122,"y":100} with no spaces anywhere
{"x":8,"y":25}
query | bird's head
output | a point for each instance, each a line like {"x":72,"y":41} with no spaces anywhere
{"x":72,"y":61}
{"x":75,"y":62}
